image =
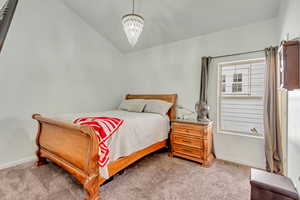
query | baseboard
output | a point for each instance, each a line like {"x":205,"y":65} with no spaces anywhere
{"x":239,"y":164}
{"x":18,"y":162}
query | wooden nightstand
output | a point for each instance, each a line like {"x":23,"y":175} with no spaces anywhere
{"x":192,"y":140}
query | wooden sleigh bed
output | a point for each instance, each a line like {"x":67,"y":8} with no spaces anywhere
{"x":75,"y":148}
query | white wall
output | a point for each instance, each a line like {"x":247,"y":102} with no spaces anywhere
{"x":175,"y":68}
{"x":52,"y":62}
{"x":289,"y":24}
{"x":289,"y":19}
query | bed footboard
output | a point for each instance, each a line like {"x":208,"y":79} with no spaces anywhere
{"x":75,"y":148}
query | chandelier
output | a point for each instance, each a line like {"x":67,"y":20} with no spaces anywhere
{"x":133,"y":25}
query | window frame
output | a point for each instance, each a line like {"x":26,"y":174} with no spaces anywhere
{"x":219,"y":95}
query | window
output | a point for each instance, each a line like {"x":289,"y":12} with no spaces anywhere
{"x":237,"y":87}
{"x":240,"y":99}
{"x":223,"y":88}
{"x":238,"y":77}
{"x":223,"y":83}
{"x":223,"y":78}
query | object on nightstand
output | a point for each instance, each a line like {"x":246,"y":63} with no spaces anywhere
{"x":184,"y":113}
{"x":202,"y":110}
{"x":192,"y":140}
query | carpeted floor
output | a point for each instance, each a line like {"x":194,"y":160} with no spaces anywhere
{"x":156,"y":177}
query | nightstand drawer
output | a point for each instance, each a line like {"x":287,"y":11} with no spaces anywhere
{"x":189,"y":129}
{"x":186,"y":130}
{"x":188,"y":150}
{"x":188,"y":141}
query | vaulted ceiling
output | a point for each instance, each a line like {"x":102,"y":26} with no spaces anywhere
{"x":171,"y":20}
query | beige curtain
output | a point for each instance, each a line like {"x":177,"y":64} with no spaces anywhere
{"x":7,"y":11}
{"x":273,"y":135}
{"x":205,"y":61}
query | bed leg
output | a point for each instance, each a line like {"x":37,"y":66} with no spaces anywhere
{"x":91,"y":187}
{"x":41,"y":160}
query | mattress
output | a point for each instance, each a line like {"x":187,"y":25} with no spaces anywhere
{"x":138,"y":131}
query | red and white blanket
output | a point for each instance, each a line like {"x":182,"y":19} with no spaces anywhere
{"x":104,"y":127}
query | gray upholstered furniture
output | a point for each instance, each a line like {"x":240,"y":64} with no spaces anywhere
{"x":267,"y":186}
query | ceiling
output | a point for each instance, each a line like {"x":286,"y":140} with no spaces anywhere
{"x":171,"y":20}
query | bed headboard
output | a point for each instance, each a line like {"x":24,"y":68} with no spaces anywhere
{"x":172,"y":98}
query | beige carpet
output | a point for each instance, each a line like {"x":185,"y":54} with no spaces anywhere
{"x":156,"y":177}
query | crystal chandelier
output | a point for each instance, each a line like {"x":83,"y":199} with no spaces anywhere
{"x":133,"y":25}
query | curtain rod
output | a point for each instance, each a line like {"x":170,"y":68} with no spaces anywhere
{"x":237,"y":54}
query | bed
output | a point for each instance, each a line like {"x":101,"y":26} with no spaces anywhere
{"x":75,"y":147}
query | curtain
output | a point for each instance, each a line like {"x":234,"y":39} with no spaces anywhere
{"x":273,"y":135}
{"x":7,"y":11}
{"x":204,"y":79}
{"x":202,"y":104}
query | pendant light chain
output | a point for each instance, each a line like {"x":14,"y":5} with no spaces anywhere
{"x":132,"y":6}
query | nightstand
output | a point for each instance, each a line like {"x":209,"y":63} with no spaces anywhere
{"x":192,"y":140}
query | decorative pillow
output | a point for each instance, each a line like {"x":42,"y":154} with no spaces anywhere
{"x":157,"y":106}
{"x":132,"y":105}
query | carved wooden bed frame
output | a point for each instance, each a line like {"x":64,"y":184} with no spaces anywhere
{"x":75,"y":148}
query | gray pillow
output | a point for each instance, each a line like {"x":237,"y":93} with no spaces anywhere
{"x":157,"y":106}
{"x":132,"y":105}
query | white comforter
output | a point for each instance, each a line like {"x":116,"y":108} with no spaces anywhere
{"x":138,"y":131}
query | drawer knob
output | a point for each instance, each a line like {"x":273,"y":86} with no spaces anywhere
{"x":186,"y":141}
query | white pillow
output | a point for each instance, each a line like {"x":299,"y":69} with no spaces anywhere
{"x":132,"y":105}
{"x":157,"y":106}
